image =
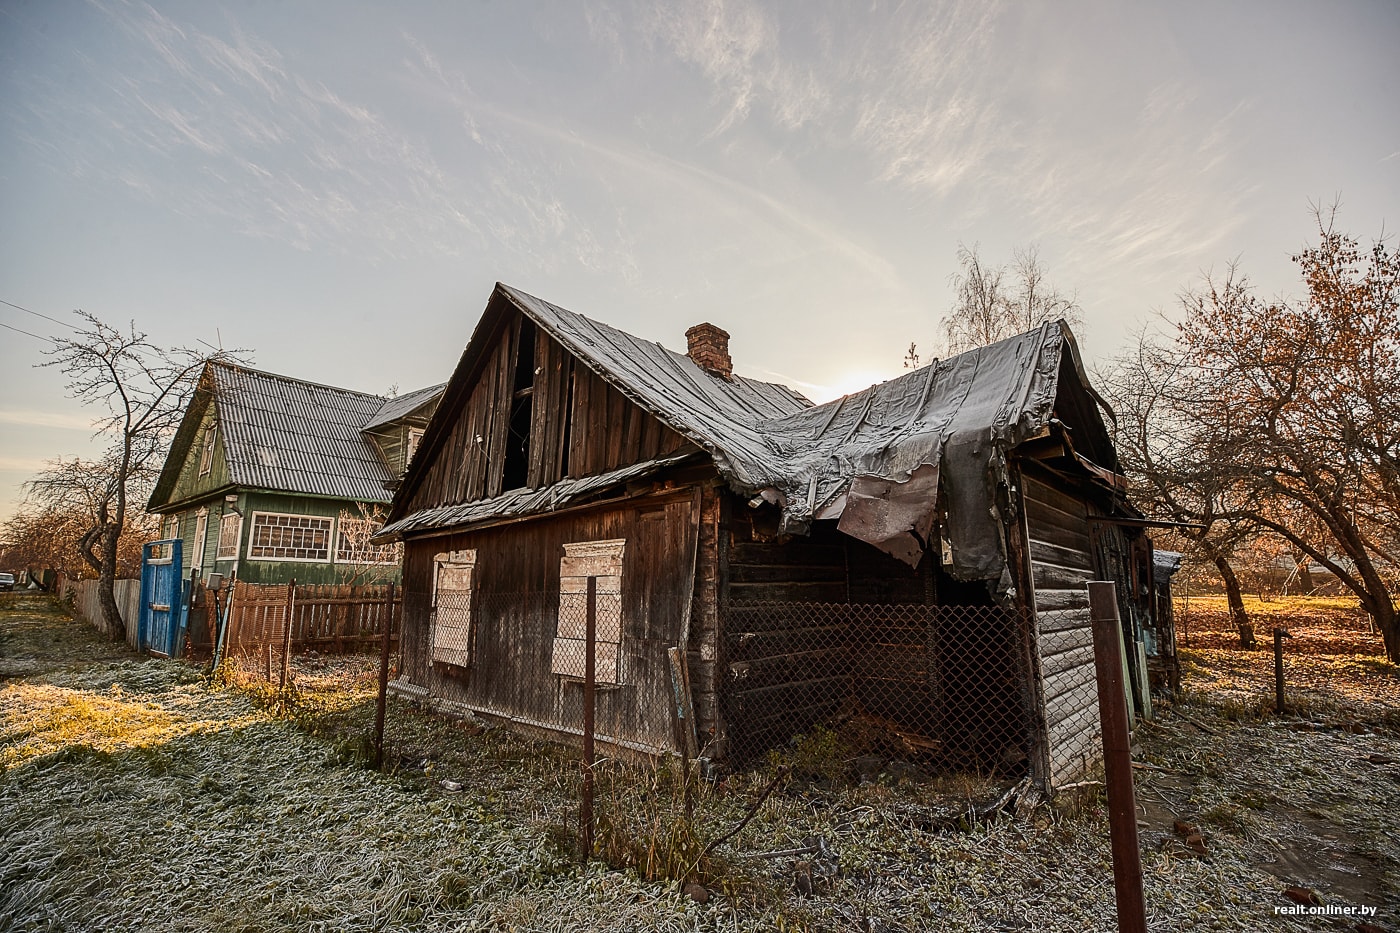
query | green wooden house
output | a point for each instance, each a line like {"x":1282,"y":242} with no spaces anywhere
{"x":271,"y":478}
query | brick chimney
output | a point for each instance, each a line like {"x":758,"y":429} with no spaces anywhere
{"x":708,"y":347}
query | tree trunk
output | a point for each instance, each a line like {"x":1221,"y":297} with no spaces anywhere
{"x":106,"y":580}
{"x":1305,"y":580}
{"x":1236,"y":600}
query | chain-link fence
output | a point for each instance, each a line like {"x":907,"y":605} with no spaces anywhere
{"x":980,"y":689}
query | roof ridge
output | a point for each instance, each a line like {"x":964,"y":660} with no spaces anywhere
{"x":306,"y":382}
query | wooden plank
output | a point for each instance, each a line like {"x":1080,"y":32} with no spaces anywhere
{"x":788,"y":592}
{"x":1071,"y":658}
{"x":1054,"y":556}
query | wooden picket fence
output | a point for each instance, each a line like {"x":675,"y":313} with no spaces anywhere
{"x":331,"y":619}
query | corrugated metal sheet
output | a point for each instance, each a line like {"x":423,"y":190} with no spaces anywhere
{"x":299,"y":437}
{"x":402,"y":405}
{"x":524,"y":501}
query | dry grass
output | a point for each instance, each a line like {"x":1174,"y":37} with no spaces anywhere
{"x":139,"y":796}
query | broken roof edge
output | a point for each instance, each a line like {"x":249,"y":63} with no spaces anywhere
{"x":520,"y":503}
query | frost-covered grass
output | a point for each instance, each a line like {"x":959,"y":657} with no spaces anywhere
{"x":139,"y":795}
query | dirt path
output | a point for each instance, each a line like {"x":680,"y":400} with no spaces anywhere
{"x":136,"y":795}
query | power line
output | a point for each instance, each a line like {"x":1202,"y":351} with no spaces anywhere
{"x":36,"y":314}
{"x":26,"y":333}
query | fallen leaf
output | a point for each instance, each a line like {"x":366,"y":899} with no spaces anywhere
{"x":1306,"y":896}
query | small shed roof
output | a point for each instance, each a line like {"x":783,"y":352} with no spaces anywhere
{"x":401,"y":406}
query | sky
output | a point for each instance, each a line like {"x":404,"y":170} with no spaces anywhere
{"x":336,"y":186}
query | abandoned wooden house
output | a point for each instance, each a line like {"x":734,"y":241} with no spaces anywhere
{"x":911,"y":557}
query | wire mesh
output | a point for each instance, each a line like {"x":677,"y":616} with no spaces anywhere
{"x":982,"y":689}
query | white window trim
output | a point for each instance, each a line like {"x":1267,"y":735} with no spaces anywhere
{"x":201,"y":539}
{"x":415,"y":439}
{"x":330,"y":541}
{"x":237,"y":537}
{"x":165,"y":555}
{"x":206,"y":452}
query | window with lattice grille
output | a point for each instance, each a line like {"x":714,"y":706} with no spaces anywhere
{"x":230,"y":528}
{"x":278,"y":536}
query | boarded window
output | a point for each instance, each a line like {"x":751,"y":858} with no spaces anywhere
{"x":603,"y":561}
{"x":451,"y":625}
{"x":276,"y":536}
{"x":206,"y":457}
{"x":230,"y":527}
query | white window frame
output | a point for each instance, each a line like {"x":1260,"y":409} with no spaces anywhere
{"x":201,"y":539}
{"x":253,"y":537}
{"x":232,"y":553}
{"x":169,"y":530}
{"x":415,"y":437}
{"x":340,"y":524}
{"x":455,"y":655}
{"x":206,"y":456}
{"x":603,"y":560}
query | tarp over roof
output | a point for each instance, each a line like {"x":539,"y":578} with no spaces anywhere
{"x":875,"y":459}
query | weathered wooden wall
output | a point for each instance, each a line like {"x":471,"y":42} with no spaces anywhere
{"x":515,"y":608}
{"x":1061,"y":561}
{"x":576,"y":423}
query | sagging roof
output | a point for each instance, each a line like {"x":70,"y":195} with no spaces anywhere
{"x":875,"y":459}
{"x":288,"y":435}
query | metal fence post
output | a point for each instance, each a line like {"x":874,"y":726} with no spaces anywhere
{"x":287,"y":633}
{"x":1280,"y":706}
{"x":1118,"y":761}
{"x":381,"y":702}
{"x":589,"y":674}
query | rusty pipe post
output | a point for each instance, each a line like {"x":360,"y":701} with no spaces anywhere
{"x":589,"y":675}
{"x":382,"y":701}
{"x":287,"y":635}
{"x":1280,"y":707}
{"x":1117,"y":759}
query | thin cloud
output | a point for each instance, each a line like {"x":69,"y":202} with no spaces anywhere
{"x":46,"y":419}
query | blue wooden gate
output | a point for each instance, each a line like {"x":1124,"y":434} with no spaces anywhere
{"x":164,"y":599}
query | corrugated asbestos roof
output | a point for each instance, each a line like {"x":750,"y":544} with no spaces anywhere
{"x":875,"y":459}
{"x":300,"y":437}
{"x":403,"y":405}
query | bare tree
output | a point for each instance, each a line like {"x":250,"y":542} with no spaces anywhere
{"x":998,"y":301}
{"x":1296,"y":404}
{"x":144,"y":389}
{"x":358,"y":559}
{"x":1160,"y":448}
